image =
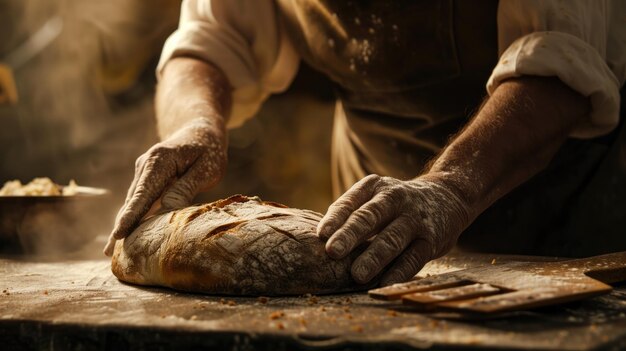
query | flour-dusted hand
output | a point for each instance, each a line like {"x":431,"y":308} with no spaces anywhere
{"x":191,"y":160}
{"x":411,"y":222}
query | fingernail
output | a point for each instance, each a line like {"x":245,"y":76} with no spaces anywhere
{"x":338,"y":248}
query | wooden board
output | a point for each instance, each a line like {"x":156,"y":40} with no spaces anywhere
{"x":511,"y":286}
{"x":79,"y":304}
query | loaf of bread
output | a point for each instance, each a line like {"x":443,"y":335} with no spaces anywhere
{"x":237,"y":246}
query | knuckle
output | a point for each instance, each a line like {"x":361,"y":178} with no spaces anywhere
{"x":337,"y":211}
{"x":140,"y":161}
{"x":371,"y":178}
{"x":369,"y":217}
{"x":374,"y":259}
{"x":394,"y":240}
{"x":349,"y":235}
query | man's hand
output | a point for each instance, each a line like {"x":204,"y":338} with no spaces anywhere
{"x":192,"y":102}
{"x":514,"y":135}
{"x":191,"y":160}
{"x":411,"y":222}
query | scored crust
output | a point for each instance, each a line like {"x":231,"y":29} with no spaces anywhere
{"x":237,"y":246}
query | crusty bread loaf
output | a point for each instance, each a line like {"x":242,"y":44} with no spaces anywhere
{"x":237,"y":246}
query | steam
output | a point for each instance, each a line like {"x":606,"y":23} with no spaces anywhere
{"x":85,"y":109}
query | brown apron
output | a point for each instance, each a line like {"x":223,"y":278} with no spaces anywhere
{"x":408,"y":75}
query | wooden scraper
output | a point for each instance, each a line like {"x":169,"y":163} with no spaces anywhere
{"x":511,"y":286}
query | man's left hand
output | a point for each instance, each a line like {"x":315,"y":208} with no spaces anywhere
{"x":411,"y":223}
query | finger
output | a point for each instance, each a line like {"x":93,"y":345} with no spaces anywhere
{"x":387,"y":245}
{"x":110,"y":246}
{"x":153,"y":180}
{"x":362,"y":225}
{"x":409,"y":263}
{"x":183,"y":191}
{"x":139,"y":166}
{"x":341,"y":209}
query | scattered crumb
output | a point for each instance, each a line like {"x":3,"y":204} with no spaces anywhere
{"x":493,"y":261}
{"x":322,"y":309}
{"x":45,"y":292}
{"x":348,"y":300}
{"x":277,"y":314}
{"x":262,"y":299}
{"x":348,"y":316}
{"x":302,"y":321}
{"x":357,"y":328}
{"x":193,"y":318}
{"x":346,"y":309}
{"x":392,"y":313}
{"x":227,"y":302}
{"x":280,"y":326}
{"x":312,"y":300}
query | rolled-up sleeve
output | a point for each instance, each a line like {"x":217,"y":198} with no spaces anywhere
{"x":245,"y":40}
{"x":582,"y":42}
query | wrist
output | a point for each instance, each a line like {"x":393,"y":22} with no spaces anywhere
{"x":451,"y":197}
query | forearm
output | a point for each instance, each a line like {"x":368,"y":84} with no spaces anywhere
{"x":192,"y":90}
{"x":514,"y":136}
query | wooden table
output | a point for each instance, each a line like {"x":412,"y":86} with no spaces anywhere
{"x":79,"y":304}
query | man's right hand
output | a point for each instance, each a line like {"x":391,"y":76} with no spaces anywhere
{"x":191,"y":160}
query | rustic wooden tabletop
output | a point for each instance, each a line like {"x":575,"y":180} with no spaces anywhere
{"x":79,"y":304}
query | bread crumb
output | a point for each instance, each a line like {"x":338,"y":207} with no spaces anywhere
{"x":280,"y":326}
{"x":493,"y":261}
{"x":357,"y":328}
{"x":45,"y":292}
{"x":262,"y":299}
{"x":277,"y":314}
{"x":193,"y":318}
{"x":392,"y":313}
{"x":231,"y":303}
{"x":312,"y":300}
